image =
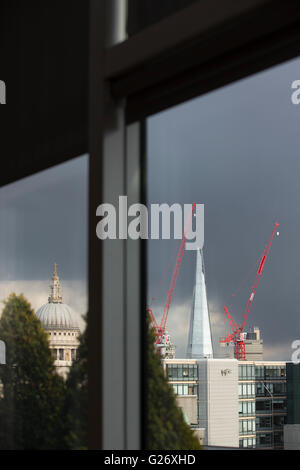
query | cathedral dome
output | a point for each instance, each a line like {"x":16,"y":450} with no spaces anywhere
{"x":55,"y":314}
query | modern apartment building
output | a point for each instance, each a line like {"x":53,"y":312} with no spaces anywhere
{"x":262,"y":404}
{"x":238,"y":403}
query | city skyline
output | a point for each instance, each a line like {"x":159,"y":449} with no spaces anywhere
{"x":236,"y":151}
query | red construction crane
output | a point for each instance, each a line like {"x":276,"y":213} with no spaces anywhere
{"x":160,"y":329}
{"x":237,"y":335}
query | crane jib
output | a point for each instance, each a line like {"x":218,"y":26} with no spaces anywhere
{"x":261,"y":266}
{"x":240,"y":352}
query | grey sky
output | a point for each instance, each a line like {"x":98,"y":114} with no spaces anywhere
{"x":44,"y":218}
{"x":236,"y":151}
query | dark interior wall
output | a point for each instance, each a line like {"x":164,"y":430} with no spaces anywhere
{"x":44,"y":63}
{"x":143,"y":13}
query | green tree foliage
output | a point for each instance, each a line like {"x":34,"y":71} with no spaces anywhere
{"x":166,"y":428}
{"x":33,"y":394}
{"x":75,"y":410}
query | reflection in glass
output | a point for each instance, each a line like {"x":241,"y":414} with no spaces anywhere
{"x":42,"y":322}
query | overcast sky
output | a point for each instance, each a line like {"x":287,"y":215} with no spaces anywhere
{"x":237,"y":151}
{"x":43,"y":218}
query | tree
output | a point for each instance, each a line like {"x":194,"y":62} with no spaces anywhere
{"x":33,"y":393}
{"x":166,"y":428}
{"x":75,"y":409}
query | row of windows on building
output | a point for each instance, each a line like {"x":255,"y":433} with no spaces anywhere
{"x":61,"y":334}
{"x":259,"y":389}
{"x":261,"y":423}
{"x":271,"y":389}
{"x":63,"y":354}
{"x":254,"y":372}
{"x":248,"y":442}
{"x":246,"y":372}
{"x":182,"y":389}
{"x":182,"y":371}
{"x":247,"y":408}
{"x":269,"y":422}
{"x":262,"y":440}
{"x":269,"y":439}
{"x":271,"y":405}
{"x":250,"y":408}
{"x":247,"y":426}
{"x":247,"y":390}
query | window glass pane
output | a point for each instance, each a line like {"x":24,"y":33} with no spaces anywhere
{"x":235,"y":150}
{"x":43,"y":242}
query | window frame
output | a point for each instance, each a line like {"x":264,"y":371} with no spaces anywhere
{"x":203,"y":47}
{"x":195,"y":50}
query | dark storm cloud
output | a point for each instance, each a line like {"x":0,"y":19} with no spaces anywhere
{"x":236,"y":151}
{"x":44,"y":219}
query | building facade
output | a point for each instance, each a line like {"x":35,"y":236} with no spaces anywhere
{"x":218,"y":401}
{"x":262,"y":404}
{"x":184,"y":377}
{"x":202,"y":387}
{"x":237,"y":403}
{"x":254,"y":349}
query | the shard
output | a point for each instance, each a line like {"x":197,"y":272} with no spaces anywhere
{"x":199,"y":342}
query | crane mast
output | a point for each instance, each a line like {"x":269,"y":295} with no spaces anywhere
{"x":237,"y":336}
{"x":161,"y":328}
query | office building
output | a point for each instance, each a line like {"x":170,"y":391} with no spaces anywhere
{"x":262,"y":404}
{"x":238,"y":403}
{"x":254,"y":345}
